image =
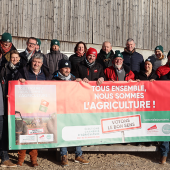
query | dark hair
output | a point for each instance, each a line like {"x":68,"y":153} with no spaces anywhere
{"x":14,"y":52}
{"x":33,"y":38}
{"x":80,"y":42}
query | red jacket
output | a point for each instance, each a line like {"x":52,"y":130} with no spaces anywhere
{"x":161,"y":71}
{"x":110,"y":73}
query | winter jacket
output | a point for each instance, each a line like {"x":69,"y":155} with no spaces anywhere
{"x":111,"y":74}
{"x":7,"y":74}
{"x":133,"y":60}
{"x":6,"y":57}
{"x":55,"y":77}
{"x":26,"y":71}
{"x":163,"y":70}
{"x":53,"y":59}
{"x":92,"y":74}
{"x":24,"y":60}
{"x":101,"y":59}
{"x":74,"y":59}
{"x":143,"y":76}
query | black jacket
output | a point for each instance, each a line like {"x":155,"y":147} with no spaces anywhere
{"x":134,"y":61}
{"x":24,"y":60}
{"x":165,"y":77}
{"x":92,"y":74}
{"x":143,"y":76}
{"x":101,"y":59}
{"x":74,"y":59}
{"x":24,"y":73}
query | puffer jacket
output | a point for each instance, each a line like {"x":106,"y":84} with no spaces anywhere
{"x":53,"y":59}
{"x":134,"y":60}
{"x":163,"y":70}
{"x":74,"y":59}
{"x":92,"y":74}
{"x":111,"y":74}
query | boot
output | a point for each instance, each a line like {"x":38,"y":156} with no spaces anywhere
{"x":33,"y":156}
{"x":21,"y":157}
{"x":64,"y":160}
{"x":163,"y":160}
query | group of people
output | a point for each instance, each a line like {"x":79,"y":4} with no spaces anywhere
{"x":85,"y":65}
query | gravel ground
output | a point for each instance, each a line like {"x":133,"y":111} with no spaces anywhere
{"x":103,"y":161}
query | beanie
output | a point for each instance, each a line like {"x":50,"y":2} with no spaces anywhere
{"x":6,"y":37}
{"x":118,"y":54}
{"x":55,"y":42}
{"x":151,"y":59}
{"x":91,"y":51}
{"x":159,"y":47}
{"x":64,"y":63}
{"x":38,"y":42}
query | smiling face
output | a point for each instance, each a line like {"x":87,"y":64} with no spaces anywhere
{"x":106,"y":47}
{"x":158,"y":53}
{"x":148,"y":66}
{"x":36,"y":64}
{"x":80,"y":48}
{"x":31,"y":44}
{"x":118,"y":62}
{"x":91,"y":58}
{"x":65,"y":71}
{"x":6,"y":44}
{"x":130,"y":45}
{"x":15,"y":58}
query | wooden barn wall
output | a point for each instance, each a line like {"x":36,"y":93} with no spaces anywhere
{"x":91,"y":21}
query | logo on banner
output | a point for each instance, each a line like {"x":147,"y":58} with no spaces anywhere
{"x":43,"y":106}
{"x":152,"y":129}
{"x":166,"y":129}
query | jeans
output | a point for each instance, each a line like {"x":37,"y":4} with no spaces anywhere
{"x":164,"y":148}
{"x":78,"y":151}
{"x":3,"y":139}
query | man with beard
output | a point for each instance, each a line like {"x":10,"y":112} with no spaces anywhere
{"x":119,"y":71}
{"x":64,"y":74}
{"x":105,"y":56}
{"x":89,"y":69}
{"x":131,"y":58}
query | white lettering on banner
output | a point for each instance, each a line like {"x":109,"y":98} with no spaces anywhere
{"x":120,"y":123}
{"x":116,"y":105}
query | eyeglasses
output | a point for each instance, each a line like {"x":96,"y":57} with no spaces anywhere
{"x":31,"y":43}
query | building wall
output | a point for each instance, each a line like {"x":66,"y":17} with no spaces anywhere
{"x":91,"y":21}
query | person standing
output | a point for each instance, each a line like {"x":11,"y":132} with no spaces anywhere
{"x":80,"y":54}
{"x":132,"y":58}
{"x":106,"y":55}
{"x":54,"y":56}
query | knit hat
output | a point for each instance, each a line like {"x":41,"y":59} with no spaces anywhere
{"x":55,"y":42}
{"x":118,"y":54}
{"x":91,"y":51}
{"x":151,"y":59}
{"x":38,"y":42}
{"x":159,"y":47}
{"x":6,"y":37}
{"x":64,"y":63}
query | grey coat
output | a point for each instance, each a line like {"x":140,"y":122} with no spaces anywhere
{"x":53,"y":59}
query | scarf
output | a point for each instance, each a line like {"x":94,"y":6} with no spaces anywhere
{"x":105,"y":54}
{"x":129,"y":52}
{"x":79,"y":54}
{"x":64,"y":77}
{"x":14,"y":69}
{"x":5,"y":50}
{"x":29,"y":55}
{"x":89,"y":64}
{"x":161,"y":57}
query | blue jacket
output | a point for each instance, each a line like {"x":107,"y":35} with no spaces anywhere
{"x":134,"y":61}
